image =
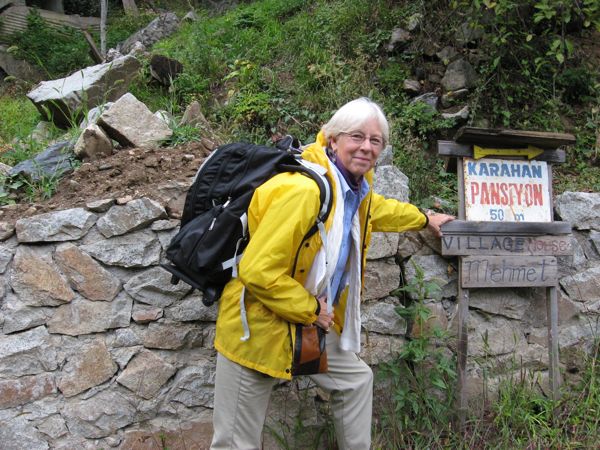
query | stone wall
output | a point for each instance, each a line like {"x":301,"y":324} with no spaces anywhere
{"x":99,"y":350}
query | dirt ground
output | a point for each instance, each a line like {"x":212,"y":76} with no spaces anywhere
{"x":133,"y":173}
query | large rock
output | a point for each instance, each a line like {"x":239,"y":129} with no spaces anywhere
{"x":66,"y":225}
{"x":381,"y":277}
{"x":435,"y":269}
{"x":99,"y":416}
{"x":93,"y":144}
{"x":165,"y":69}
{"x":154,"y":287}
{"x":36,"y":280}
{"x":582,"y":209}
{"x":377,"y":348}
{"x":17,"y":67}
{"x":15,"y":392}
{"x":391,"y":183}
{"x":136,"y":214}
{"x":18,"y":316}
{"x":139,"y":249}
{"x":51,"y":164}
{"x":88,"y":277}
{"x":383,"y":245}
{"x":31,"y":352}
{"x":459,"y":75}
{"x":84,"y":316}
{"x":169,"y":335}
{"x":194,"y":385}
{"x":18,"y":434}
{"x":145,"y":374}
{"x":160,"y":28}
{"x":381,"y":317}
{"x":191,"y":308}
{"x":67,"y":99}
{"x":503,"y":302}
{"x":583,"y":286}
{"x":89,"y":367}
{"x":129,"y":122}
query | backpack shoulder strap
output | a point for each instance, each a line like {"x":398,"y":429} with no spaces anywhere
{"x":317,"y":173}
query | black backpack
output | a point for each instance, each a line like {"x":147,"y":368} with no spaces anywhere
{"x":213,"y":234}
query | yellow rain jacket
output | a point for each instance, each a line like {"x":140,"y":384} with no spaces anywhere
{"x":277,"y":260}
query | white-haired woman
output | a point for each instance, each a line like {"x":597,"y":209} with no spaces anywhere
{"x":285,"y":278}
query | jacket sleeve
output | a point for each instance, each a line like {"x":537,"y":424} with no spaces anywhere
{"x":388,"y":214}
{"x":280,"y":214}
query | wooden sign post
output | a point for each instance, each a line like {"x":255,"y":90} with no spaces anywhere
{"x":505,"y":235}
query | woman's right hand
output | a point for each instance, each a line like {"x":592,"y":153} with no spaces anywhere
{"x":325,"y":319}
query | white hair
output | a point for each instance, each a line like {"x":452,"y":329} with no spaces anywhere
{"x":353,"y":115}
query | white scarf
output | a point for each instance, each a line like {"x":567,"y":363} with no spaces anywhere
{"x":325,"y":263}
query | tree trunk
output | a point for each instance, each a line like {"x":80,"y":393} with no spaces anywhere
{"x":130,"y":7}
{"x":103,"y":14}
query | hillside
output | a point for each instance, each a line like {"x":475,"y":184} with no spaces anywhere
{"x":267,"y":68}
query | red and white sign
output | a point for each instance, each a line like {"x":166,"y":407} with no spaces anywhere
{"x":506,"y":190}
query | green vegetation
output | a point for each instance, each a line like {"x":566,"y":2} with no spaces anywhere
{"x":272,"y":67}
{"x":417,"y":410}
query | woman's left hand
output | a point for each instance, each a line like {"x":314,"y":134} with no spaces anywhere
{"x":436,"y":221}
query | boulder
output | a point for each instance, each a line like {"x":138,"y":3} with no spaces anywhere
{"x":93,"y":144}
{"x":582,"y":209}
{"x":461,"y":115}
{"x":36,"y":280}
{"x":18,"y":68}
{"x":145,"y":374}
{"x":381,"y":277}
{"x":411,"y":86}
{"x":66,"y":100}
{"x":193,"y":116}
{"x":459,"y":75}
{"x":381,"y":317}
{"x":23,"y":390}
{"x":99,"y":416}
{"x":65,"y":225}
{"x":54,"y":162}
{"x":88,"y":277}
{"x":84,"y":316}
{"x":136,"y":214}
{"x":160,"y":28}
{"x":165,"y":69}
{"x":129,"y":122}
{"x":140,"y":249}
{"x":90,"y":366}
{"x":153,"y":287}
{"x":429,"y":98}
{"x":399,"y":40}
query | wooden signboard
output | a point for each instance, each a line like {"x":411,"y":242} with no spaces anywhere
{"x":485,"y":271}
{"x":505,"y":235}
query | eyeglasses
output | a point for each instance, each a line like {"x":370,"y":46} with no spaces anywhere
{"x":358,"y":138}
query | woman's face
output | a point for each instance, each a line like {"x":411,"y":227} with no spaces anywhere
{"x":359,"y":149}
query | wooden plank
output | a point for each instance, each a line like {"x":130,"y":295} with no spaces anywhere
{"x":94,"y":52}
{"x":462,"y":349}
{"x":461,"y":189}
{"x":465,"y":227}
{"x":506,"y":245}
{"x":455,"y":149}
{"x":508,"y":271}
{"x":499,"y":137}
{"x":552,"y":323}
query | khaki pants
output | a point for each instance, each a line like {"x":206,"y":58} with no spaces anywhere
{"x":242,"y":398}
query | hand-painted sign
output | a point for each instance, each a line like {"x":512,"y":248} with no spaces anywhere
{"x":506,"y":190}
{"x":505,"y":271}
{"x":506,"y":245}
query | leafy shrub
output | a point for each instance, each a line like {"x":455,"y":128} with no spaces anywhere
{"x":57,"y":51}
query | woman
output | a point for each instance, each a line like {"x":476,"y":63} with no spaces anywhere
{"x":283,"y":280}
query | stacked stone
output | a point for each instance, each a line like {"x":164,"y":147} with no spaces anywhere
{"x":99,"y":349}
